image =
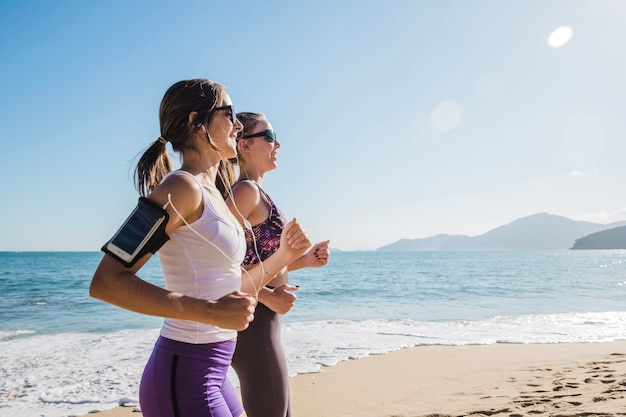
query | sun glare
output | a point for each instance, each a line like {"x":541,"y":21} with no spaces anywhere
{"x":446,"y":115}
{"x":560,"y":36}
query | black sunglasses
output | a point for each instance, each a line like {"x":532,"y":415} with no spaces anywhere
{"x":269,"y":136}
{"x":233,"y":115}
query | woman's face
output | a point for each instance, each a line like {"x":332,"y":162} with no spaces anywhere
{"x":223,"y":128}
{"x":261,"y":150}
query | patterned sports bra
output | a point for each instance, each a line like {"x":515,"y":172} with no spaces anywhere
{"x":267,"y":234}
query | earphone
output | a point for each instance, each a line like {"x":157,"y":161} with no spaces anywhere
{"x":246,"y":224}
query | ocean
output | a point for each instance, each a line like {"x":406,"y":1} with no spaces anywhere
{"x":63,"y":353}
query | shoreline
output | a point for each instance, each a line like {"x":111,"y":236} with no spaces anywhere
{"x":568,"y":379}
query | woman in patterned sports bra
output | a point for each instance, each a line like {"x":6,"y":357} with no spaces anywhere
{"x":201,"y":252}
{"x":259,"y":359}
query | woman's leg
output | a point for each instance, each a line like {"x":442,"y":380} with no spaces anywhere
{"x":261,"y":366}
{"x":186,"y":380}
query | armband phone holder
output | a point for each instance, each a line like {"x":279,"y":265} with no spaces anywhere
{"x":142,"y":232}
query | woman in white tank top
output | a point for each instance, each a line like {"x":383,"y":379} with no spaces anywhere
{"x":207,"y":298}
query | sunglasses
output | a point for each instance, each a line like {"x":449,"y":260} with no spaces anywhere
{"x":233,"y":115}
{"x":269,"y":136}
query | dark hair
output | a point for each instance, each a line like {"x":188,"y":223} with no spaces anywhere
{"x":226,"y":176}
{"x":249,"y":121}
{"x":181,"y":99}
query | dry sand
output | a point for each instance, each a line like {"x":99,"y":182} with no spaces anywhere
{"x":573,"y":379}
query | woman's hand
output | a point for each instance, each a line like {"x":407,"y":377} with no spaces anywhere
{"x":294,"y":240}
{"x":280,"y":300}
{"x":319,"y":255}
{"x":233,"y":311}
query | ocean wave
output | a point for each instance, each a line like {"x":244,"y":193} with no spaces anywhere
{"x":12,"y":334}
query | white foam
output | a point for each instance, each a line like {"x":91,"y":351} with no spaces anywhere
{"x":71,"y":374}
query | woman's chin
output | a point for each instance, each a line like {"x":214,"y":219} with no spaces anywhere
{"x":229,"y":152}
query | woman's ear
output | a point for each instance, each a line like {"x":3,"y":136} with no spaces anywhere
{"x":242,"y":145}
{"x":192,"y":117}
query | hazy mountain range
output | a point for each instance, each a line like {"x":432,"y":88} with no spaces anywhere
{"x":539,"y":231}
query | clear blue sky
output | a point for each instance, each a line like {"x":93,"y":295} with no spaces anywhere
{"x":398,"y":119}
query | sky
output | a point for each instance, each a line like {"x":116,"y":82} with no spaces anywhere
{"x":398,"y":120}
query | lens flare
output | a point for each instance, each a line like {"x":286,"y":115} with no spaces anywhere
{"x":446,"y":115}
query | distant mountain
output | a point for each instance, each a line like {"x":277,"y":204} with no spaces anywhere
{"x":605,"y":239}
{"x":439,"y":242}
{"x":539,"y":231}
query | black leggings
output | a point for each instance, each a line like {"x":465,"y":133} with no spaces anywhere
{"x":261,"y":366}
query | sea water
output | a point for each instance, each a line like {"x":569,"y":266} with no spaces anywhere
{"x":63,"y":353}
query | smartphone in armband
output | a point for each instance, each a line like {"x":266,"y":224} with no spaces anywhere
{"x":142,"y":232}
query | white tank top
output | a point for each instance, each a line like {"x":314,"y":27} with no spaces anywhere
{"x":194,"y":267}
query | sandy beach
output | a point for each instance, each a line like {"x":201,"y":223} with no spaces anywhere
{"x":569,"y":379}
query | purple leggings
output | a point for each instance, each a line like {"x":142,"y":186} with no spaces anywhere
{"x":186,"y":380}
